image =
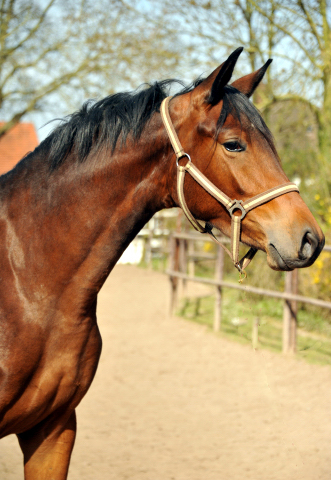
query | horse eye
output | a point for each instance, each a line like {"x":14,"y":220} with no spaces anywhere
{"x":233,"y":147}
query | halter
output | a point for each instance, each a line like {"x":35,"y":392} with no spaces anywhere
{"x":232,"y":206}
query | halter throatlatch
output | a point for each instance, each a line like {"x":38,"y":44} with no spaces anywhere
{"x":232,"y":206}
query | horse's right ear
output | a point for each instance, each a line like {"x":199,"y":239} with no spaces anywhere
{"x":211,"y":89}
{"x":248,"y":83}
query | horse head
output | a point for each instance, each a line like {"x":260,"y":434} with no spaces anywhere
{"x":226,"y":139}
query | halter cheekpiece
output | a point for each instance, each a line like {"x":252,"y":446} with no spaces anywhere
{"x":232,"y":206}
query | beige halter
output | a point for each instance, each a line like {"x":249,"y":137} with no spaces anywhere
{"x":230,"y":205}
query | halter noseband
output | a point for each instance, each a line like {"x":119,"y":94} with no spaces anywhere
{"x":231,"y":205}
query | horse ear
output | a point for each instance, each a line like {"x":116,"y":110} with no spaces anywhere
{"x":248,"y":83}
{"x":223,"y":77}
{"x":211,"y":89}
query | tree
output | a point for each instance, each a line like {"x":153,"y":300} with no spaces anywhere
{"x":306,"y":30}
{"x":296,"y":34}
{"x":64,"y":51}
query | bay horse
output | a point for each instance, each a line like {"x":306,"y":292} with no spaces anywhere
{"x":69,"y":209}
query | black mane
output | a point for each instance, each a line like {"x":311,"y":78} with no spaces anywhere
{"x":105,"y":121}
{"x":121,"y":114}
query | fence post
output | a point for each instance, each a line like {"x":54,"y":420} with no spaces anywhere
{"x":183,"y":263}
{"x":173,"y":266}
{"x":294,"y":310}
{"x":149,"y":248}
{"x":191,"y":264}
{"x":219,"y":267}
{"x":255,"y":332}
{"x":290,"y":314}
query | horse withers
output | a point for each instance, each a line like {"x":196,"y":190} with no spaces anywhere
{"x":69,"y":209}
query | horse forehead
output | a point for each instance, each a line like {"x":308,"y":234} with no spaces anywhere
{"x":245,"y":127}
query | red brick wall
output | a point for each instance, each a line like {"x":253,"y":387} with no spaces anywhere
{"x":15,"y":144}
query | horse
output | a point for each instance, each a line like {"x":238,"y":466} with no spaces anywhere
{"x":70,"y":208}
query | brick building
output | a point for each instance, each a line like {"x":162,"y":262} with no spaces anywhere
{"x":15,"y":144}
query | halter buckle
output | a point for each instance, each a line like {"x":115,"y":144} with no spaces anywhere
{"x":182,"y":156}
{"x":237,"y":205}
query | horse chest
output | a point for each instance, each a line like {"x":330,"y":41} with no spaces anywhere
{"x":57,"y":371}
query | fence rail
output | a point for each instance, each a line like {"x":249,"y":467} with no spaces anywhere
{"x":180,"y":262}
{"x":259,"y":291}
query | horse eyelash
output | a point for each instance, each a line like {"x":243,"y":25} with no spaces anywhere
{"x":242,"y":148}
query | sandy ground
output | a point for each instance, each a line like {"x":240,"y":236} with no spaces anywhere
{"x":173,"y":401}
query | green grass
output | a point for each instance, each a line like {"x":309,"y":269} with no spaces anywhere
{"x":314,"y":326}
{"x":239,"y":312}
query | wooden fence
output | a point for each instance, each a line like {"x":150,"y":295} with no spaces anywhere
{"x":181,"y":263}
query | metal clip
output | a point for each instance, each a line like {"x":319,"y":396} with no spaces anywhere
{"x":242,"y":276}
{"x":182,"y":156}
{"x":237,"y":205}
{"x":242,"y":272}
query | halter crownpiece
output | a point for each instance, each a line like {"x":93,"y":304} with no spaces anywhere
{"x":232,"y":206}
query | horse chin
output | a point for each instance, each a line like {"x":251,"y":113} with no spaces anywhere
{"x":276,"y":261}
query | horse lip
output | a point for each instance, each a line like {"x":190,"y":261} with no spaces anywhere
{"x":278,"y":259}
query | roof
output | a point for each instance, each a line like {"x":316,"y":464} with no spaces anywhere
{"x":15,"y":144}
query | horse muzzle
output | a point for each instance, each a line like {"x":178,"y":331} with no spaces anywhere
{"x":287,"y":253}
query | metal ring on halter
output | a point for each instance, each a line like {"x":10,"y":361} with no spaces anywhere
{"x":184,"y":155}
{"x":237,"y":205}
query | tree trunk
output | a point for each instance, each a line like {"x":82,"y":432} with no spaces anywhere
{"x":324,"y":134}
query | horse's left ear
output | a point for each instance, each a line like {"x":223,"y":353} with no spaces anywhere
{"x":223,"y":77}
{"x":248,"y":83}
{"x":211,"y":89}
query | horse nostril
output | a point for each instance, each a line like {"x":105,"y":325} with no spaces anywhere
{"x":308,"y":245}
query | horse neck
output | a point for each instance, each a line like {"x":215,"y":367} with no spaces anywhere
{"x":72,"y":225}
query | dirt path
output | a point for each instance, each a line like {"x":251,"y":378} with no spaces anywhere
{"x":172,"y":401}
